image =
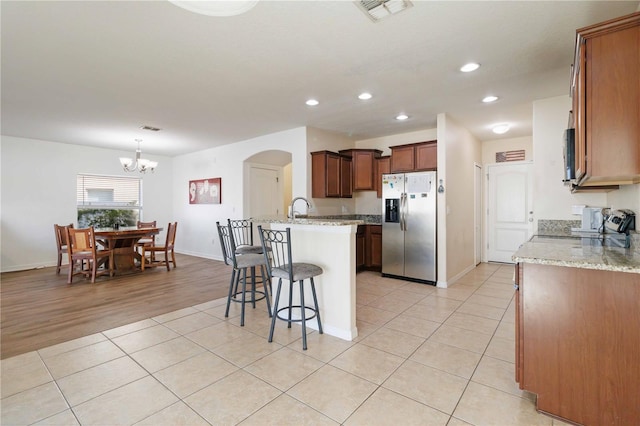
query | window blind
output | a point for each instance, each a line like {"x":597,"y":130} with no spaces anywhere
{"x":108,"y":191}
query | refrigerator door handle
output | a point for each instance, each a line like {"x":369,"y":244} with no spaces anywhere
{"x":403,"y":207}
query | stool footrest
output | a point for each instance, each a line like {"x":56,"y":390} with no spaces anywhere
{"x":234,"y":297}
{"x":287,"y":308}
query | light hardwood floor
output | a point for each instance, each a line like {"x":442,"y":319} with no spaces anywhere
{"x":39,"y":308}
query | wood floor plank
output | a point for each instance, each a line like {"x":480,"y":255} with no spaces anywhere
{"x":39,"y":309}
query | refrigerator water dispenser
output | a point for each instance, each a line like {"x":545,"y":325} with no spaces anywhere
{"x":391,"y":210}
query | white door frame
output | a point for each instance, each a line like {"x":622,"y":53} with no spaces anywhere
{"x":477,"y":213}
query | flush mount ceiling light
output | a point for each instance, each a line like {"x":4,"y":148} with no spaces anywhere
{"x":500,"y":128}
{"x":312,"y":102}
{"x":379,"y":9}
{"x":364,"y":96}
{"x":139,"y":164}
{"x":401,"y":117}
{"x":217,"y":7}
{"x":488,"y":99}
{"x":471,"y":66}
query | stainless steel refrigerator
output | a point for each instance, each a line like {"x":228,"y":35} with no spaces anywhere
{"x":409,"y":226}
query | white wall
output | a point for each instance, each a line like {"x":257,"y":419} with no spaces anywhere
{"x":322,"y":140}
{"x":44,"y":193}
{"x":490,"y":148}
{"x":383,"y":143}
{"x":627,"y":197}
{"x":458,"y":152}
{"x":367,"y":202}
{"x":197,"y":223}
{"x":552,"y":199}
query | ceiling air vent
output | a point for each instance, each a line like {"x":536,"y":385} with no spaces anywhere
{"x":153,"y":129}
{"x":379,"y":9}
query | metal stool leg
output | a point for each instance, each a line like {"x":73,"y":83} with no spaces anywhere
{"x":266,"y":290}
{"x":253,"y":286}
{"x":303,"y":320}
{"x":290,"y":302}
{"x":233,"y":278}
{"x":244,"y":292}
{"x":315,"y":302}
{"x":275,"y":310}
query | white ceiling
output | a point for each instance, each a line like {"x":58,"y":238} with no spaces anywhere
{"x":94,"y":72}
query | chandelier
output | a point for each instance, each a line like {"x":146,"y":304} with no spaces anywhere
{"x":139,"y":164}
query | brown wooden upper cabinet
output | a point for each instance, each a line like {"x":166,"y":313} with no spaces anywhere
{"x":383,"y":165}
{"x":346,"y":177}
{"x":330,"y":175}
{"x":363,"y":167}
{"x":414,"y":157}
{"x":325,"y":174}
{"x":606,"y":110}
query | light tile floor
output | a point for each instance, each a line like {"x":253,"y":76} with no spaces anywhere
{"x":424,"y":356}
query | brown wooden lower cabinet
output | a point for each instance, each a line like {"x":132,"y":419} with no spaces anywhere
{"x":361,"y":248}
{"x":374,"y":256}
{"x":578,"y":342}
{"x":369,"y":248}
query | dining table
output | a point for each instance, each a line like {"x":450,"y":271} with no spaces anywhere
{"x":122,"y":242}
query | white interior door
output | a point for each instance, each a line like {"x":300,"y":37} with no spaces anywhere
{"x":265,"y":191}
{"x":510,"y":209}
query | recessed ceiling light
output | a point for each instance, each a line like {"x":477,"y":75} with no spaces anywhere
{"x":364,"y":96}
{"x":312,"y":102}
{"x":471,"y":66}
{"x":488,"y":99}
{"x":402,"y":117}
{"x":501,"y":128}
{"x":216,"y":8}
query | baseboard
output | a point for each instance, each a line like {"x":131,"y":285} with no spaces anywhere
{"x":452,"y":280}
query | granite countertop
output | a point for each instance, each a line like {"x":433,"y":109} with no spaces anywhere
{"x":327,"y":220}
{"x":308,"y":221}
{"x":576,"y":252}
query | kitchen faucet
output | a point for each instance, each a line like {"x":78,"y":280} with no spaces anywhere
{"x":293,"y":212}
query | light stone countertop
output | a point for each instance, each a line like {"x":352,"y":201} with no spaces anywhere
{"x":308,"y":221}
{"x":578,"y":253}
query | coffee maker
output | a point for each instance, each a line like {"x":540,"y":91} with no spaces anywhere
{"x":592,"y":220}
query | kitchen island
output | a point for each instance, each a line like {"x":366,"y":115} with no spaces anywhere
{"x":578,"y":328}
{"x":330,"y":244}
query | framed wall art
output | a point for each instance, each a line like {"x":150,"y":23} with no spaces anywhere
{"x":205,"y":191}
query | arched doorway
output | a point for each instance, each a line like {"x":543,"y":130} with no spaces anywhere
{"x":268,"y":183}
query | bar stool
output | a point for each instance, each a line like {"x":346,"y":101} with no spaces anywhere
{"x":276,"y":247}
{"x":240,"y":264}
{"x":242,"y":230}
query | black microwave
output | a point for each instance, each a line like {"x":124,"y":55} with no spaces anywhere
{"x":569,"y":151}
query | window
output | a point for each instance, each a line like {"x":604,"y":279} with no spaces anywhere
{"x":103,"y":201}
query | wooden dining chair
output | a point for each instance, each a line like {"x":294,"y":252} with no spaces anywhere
{"x":82,"y":248}
{"x":61,"y":242}
{"x":149,"y":241}
{"x":167,"y":249}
